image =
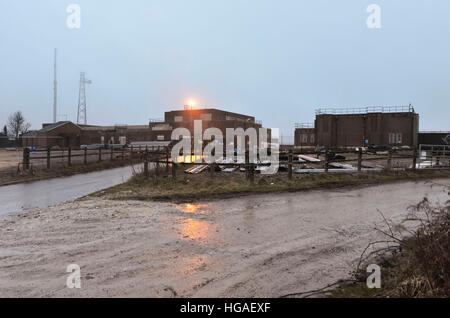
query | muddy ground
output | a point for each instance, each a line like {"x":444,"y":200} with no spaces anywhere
{"x":255,"y":246}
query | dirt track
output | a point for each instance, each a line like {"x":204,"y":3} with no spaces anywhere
{"x":256,"y":246}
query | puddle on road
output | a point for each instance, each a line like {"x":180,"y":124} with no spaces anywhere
{"x":192,"y":229}
{"x":193,"y":225}
{"x":194,"y":208}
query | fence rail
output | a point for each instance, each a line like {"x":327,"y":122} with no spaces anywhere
{"x":426,"y":156}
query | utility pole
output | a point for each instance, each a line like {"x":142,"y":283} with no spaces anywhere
{"x":82,"y":106}
{"x":54,"y":89}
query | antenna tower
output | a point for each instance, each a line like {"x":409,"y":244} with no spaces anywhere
{"x":81,"y":117}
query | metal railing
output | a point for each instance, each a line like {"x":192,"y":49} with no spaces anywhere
{"x":156,"y":120}
{"x":304,"y":125}
{"x":366,"y":110}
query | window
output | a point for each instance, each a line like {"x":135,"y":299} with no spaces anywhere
{"x":102,"y":139}
{"x":304,"y":138}
{"x":122,"y":140}
{"x":311,"y":138}
{"x":160,"y":137}
{"x":178,"y":119}
{"x":395,"y":138}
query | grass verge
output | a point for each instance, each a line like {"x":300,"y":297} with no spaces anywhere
{"x":188,"y":188}
{"x":415,"y":267}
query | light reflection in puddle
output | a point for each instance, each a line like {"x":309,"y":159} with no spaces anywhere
{"x":194,"y":229}
{"x":193,"y":265}
{"x":194,"y":208}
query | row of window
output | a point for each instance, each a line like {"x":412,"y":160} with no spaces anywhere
{"x":395,"y":138}
{"x":304,"y":138}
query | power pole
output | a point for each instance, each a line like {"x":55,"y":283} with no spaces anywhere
{"x":82,"y":117}
{"x":54,"y":89}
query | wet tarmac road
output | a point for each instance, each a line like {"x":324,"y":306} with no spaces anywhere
{"x":45,"y":193}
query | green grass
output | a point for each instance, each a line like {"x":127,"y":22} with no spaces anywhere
{"x":188,"y":188}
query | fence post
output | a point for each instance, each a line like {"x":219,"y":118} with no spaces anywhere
{"x":174,"y":170}
{"x":360,"y":159}
{"x":414,"y":158}
{"x":123,"y":153}
{"x":48,"y":158}
{"x":69,"y":156}
{"x":326,"y":160}
{"x":85,"y":156}
{"x":146,"y":163}
{"x":26,"y":158}
{"x":112,"y":153}
{"x":167,"y":160}
{"x":247,"y":165}
{"x":290,"y":164}
{"x":389,"y":160}
{"x":212,"y":169}
{"x":99,"y":154}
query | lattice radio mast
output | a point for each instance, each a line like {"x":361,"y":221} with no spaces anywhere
{"x":81,"y":117}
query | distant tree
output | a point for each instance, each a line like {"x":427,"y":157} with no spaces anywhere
{"x":17,"y":124}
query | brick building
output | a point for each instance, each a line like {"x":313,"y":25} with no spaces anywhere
{"x":210,"y":117}
{"x":304,"y":136}
{"x":67,"y":134}
{"x":354,"y":127}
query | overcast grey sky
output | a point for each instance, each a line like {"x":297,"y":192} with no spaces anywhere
{"x":276,"y":60}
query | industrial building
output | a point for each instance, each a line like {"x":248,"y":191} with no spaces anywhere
{"x":434,"y":138}
{"x":210,"y":117}
{"x":68,"y":134}
{"x":305,"y":136}
{"x":355,"y":127}
{"x":65,"y":134}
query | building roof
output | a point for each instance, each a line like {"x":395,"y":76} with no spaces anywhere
{"x":209,"y":109}
{"x":31,"y":133}
{"x":49,"y":127}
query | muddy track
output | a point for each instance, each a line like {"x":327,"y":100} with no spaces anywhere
{"x":255,"y":246}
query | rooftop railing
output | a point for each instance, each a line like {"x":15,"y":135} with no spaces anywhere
{"x":366,"y":110}
{"x":156,"y":120}
{"x":304,"y":125}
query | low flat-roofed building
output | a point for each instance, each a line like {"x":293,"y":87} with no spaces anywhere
{"x":305,"y":136}
{"x":434,"y":138}
{"x":387,"y":126}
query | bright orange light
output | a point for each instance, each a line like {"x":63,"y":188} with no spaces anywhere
{"x":191,"y":104}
